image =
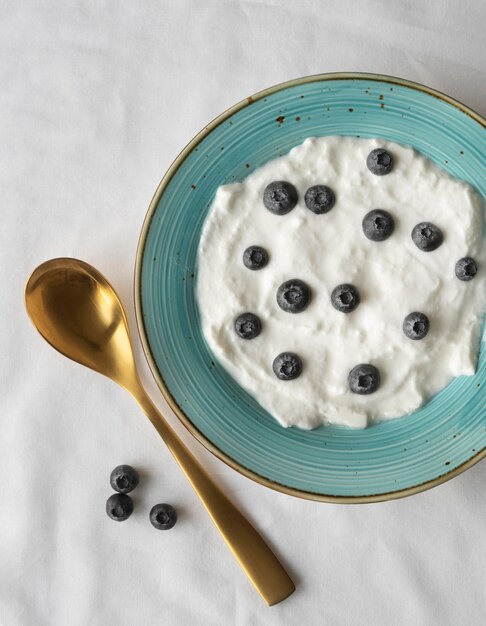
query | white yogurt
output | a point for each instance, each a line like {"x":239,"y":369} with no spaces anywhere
{"x":394,"y":278}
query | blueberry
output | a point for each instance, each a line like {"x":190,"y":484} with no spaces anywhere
{"x":163,"y":516}
{"x":379,"y":162}
{"x":124,"y":478}
{"x":416,"y":325}
{"x":293,"y":296}
{"x":248,"y":325}
{"x":280,"y":197}
{"x":427,"y":236}
{"x":345,"y":298}
{"x":466,"y":268}
{"x":319,"y":199}
{"x":255,"y":257}
{"x":287,"y":366}
{"x":119,"y":507}
{"x":378,"y":225}
{"x":364,"y":379}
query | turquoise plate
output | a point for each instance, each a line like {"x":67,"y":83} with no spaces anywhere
{"x":387,"y":460}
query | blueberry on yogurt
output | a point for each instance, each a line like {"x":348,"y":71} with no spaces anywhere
{"x":379,"y":162}
{"x":255,"y":258}
{"x":416,"y":325}
{"x":378,"y":225}
{"x":280,"y":197}
{"x":319,"y":199}
{"x":293,"y":296}
{"x":345,"y":298}
{"x":364,"y":379}
{"x":466,"y":268}
{"x":287,"y":366}
{"x":248,"y":325}
{"x":427,"y":236}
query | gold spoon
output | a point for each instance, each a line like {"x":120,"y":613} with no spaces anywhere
{"x":79,"y":313}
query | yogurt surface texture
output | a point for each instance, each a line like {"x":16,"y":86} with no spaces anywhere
{"x":394,"y":278}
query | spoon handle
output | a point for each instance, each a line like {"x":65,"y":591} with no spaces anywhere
{"x":259,"y":562}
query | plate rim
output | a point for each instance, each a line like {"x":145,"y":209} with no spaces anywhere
{"x":183,"y":418}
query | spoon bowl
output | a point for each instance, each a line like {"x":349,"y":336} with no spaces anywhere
{"x":78,"y":312}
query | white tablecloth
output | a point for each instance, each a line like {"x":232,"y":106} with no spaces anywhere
{"x":96,"y":100}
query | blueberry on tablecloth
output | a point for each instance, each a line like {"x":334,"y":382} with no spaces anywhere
{"x":124,"y":478}
{"x":163,"y":516}
{"x":119,"y":507}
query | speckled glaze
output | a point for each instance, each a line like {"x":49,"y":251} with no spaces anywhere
{"x":387,"y":460}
